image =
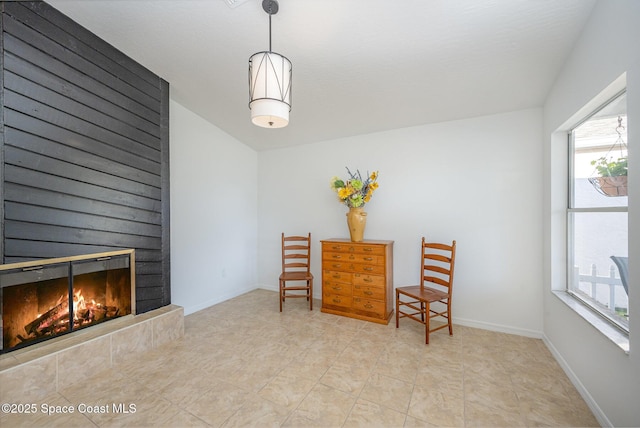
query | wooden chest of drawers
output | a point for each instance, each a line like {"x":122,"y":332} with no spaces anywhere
{"x":357,"y":279}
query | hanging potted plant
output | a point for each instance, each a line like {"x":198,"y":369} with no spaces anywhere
{"x":612,"y":173}
{"x":612,"y":176}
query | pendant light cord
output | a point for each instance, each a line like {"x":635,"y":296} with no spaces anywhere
{"x":271,"y":7}
{"x":269,"y":32}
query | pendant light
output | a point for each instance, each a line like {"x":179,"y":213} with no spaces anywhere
{"x":269,"y":83}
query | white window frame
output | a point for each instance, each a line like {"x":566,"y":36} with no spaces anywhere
{"x":623,"y":327}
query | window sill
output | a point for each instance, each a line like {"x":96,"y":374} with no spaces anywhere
{"x":604,"y":327}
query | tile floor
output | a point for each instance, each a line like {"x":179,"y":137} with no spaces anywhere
{"x":243,"y":363}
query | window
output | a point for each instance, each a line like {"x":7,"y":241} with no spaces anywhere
{"x":597,"y":212}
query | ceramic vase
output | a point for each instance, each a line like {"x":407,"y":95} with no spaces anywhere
{"x":356,"y":220}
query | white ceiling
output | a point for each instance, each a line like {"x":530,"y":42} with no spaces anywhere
{"x":359,"y":66}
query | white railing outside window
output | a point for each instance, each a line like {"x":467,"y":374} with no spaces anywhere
{"x":605,"y":293}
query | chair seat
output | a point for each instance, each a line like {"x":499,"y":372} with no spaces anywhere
{"x":296,"y":276}
{"x":426,"y":294}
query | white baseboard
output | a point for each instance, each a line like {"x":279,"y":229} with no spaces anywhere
{"x":268,"y":287}
{"x":218,"y":299}
{"x":497,"y":327}
{"x":317,"y":294}
{"x":223,"y":297}
{"x":597,"y":411}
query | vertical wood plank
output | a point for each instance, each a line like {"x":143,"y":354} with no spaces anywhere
{"x":166,"y":244}
{"x":2,"y":6}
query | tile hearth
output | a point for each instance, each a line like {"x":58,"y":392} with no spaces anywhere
{"x":243,"y":363}
{"x":31,"y":373}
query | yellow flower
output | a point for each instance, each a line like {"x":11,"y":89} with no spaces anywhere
{"x":374,"y":175}
{"x":343,"y":193}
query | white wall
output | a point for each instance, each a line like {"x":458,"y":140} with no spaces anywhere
{"x":213,"y":213}
{"x":476,"y":181}
{"x":608,"y":378}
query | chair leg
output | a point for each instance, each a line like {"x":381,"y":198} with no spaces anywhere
{"x":426,"y":321}
{"x":449,"y":317}
{"x":422,"y":311}
{"x":397,"y":309}
{"x":280,"y":296}
{"x":310,"y":295}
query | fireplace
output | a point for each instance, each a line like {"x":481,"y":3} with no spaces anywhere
{"x":44,"y":299}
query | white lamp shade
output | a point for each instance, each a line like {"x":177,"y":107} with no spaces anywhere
{"x":269,"y":89}
{"x":269,"y":113}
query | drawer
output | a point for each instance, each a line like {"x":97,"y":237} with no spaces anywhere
{"x":365,"y":279}
{"x":370,"y":269}
{"x":353,"y":248}
{"x":330,"y":255}
{"x":336,"y":300}
{"x":368,"y":292}
{"x":332,"y":275}
{"x":337,"y":265}
{"x":343,"y":289}
{"x":335,"y":247}
{"x":370,"y":259}
{"x":368,"y":305}
{"x":377,"y":250}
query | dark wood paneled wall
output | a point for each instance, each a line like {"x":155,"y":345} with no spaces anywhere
{"x":85,"y":148}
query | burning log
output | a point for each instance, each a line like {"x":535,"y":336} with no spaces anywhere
{"x":83,"y":314}
{"x":99,"y":313}
{"x":56,"y":326}
{"x":48,"y":318}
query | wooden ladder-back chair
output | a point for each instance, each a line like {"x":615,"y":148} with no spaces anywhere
{"x":296,"y":267}
{"x":435,"y":287}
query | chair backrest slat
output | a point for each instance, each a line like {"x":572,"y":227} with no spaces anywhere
{"x":438,"y":257}
{"x":295,"y":265}
{"x":295,"y":238}
{"x":439,"y":269}
{"x":296,"y":256}
{"x":437,"y":246}
{"x":295,"y":247}
{"x":436,"y":280}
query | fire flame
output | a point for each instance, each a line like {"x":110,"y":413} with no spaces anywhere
{"x":78,"y":303}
